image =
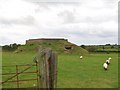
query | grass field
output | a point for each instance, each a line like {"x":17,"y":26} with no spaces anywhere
{"x":72,"y":72}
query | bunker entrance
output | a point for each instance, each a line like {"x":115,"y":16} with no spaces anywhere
{"x":68,"y":47}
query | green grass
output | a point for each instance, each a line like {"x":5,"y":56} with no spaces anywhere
{"x":10,"y":58}
{"x":57,"y":46}
{"x":88,"y":73}
{"x":72,"y":72}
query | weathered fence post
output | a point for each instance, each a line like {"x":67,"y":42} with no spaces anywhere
{"x":47,"y":64}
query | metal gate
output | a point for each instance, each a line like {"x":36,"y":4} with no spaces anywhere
{"x":15,"y":80}
{"x":44,"y":72}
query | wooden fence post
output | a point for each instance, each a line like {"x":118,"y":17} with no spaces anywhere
{"x":47,"y":64}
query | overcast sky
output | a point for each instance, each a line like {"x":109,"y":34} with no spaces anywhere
{"x":80,"y":21}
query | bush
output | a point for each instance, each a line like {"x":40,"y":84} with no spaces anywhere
{"x":91,"y":49}
{"x":83,"y":46}
{"x":10,"y":47}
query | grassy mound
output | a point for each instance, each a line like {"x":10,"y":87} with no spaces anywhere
{"x":58,"y":46}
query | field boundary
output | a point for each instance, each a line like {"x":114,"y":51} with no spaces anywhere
{"x":17,"y":73}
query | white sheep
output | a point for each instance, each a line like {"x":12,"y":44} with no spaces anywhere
{"x":81,"y":57}
{"x":108,"y":61}
{"x":109,"y":58}
{"x":105,"y":66}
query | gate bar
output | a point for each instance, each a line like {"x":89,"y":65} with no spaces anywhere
{"x":17,"y":76}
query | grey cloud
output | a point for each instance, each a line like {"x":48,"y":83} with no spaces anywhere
{"x":98,"y":20}
{"x":88,"y":34}
{"x":67,"y":16}
{"x":41,"y":7}
{"x":109,"y":34}
{"x":49,"y":6}
{"x":28,"y":20}
{"x":72,"y":17}
{"x":4,"y":40}
{"x":54,"y":1}
{"x":110,"y":1}
{"x":85,"y":33}
{"x":88,"y":38}
{"x":47,"y":3}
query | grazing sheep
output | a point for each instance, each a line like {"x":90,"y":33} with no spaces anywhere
{"x":81,"y":57}
{"x":109,"y":58}
{"x":105,"y":66}
{"x":108,"y":61}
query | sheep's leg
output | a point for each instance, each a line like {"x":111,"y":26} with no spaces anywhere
{"x":105,"y":69}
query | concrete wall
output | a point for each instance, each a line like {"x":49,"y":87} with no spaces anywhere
{"x":36,"y":41}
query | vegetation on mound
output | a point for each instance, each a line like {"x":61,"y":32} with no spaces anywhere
{"x":57,"y":46}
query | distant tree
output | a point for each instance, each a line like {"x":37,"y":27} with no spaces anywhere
{"x":18,"y":45}
{"x":6,"y":47}
{"x":15,"y":46}
{"x":83,"y":46}
{"x":107,"y":44}
{"x":10,"y":47}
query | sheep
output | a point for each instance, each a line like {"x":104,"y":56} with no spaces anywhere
{"x":81,"y":57}
{"x":108,"y":60}
{"x":105,"y":66}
